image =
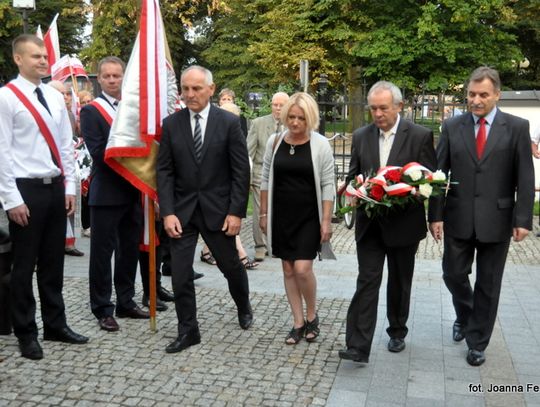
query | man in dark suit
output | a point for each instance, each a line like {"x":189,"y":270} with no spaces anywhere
{"x":203,"y":186}
{"x":389,"y":140}
{"x":488,"y":154}
{"x":115,"y":208}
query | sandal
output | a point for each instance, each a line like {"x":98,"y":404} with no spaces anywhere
{"x":248,"y":263}
{"x":208,"y":258}
{"x":312,"y":328}
{"x":296,"y":335}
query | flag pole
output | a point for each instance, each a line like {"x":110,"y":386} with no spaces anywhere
{"x":152,"y":261}
{"x":74,"y":83}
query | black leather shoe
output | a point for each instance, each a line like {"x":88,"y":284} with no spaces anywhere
{"x":353,"y":354}
{"x":108,"y":324}
{"x":196,"y":275}
{"x":245,"y":320}
{"x":396,"y":344}
{"x":160,"y":305}
{"x":66,"y":335}
{"x":164,"y":294}
{"x":73,"y":251}
{"x":475,"y":357}
{"x":134,"y":313}
{"x":30,"y":349}
{"x":184,"y":341}
{"x":458,"y":331}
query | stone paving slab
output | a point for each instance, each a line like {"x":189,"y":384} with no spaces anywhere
{"x":235,"y":367}
{"x":130,"y":367}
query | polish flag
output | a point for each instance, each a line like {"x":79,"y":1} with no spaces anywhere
{"x":52,"y":43}
{"x":65,"y":67}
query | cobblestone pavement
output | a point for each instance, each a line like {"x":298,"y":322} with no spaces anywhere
{"x":234,"y":367}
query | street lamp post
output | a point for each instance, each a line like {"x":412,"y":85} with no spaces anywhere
{"x":25,"y":6}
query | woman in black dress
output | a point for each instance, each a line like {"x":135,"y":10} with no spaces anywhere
{"x":297,"y":193}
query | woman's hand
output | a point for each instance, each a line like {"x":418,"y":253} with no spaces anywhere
{"x":326,"y":231}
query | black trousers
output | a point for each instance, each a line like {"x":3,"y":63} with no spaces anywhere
{"x":362,"y":313}
{"x":41,"y":244}
{"x":223,"y":248}
{"x":477,"y":308}
{"x":115,"y":229}
{"x":85,"y":212}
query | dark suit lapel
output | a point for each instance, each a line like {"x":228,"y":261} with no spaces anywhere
{"x":496,"y":132}
{"x":373,"y":148}
{"x":399,"y":139}
{"x":210,"y":130}
{"x":185,"y":131}
{"x":467,"y":133}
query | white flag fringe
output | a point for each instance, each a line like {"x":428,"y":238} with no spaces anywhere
{"x":149,"y":94}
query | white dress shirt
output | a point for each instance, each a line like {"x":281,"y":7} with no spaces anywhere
{"x":203,"y":121}
{"x":385,"y":143}
{"x":24,"y":153}
{"x":489,"y":121}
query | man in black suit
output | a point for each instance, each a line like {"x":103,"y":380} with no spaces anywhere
{"x":488,"y":154}
{"x":203,"y":186}
{"x":115,"y":208}
{"x":389,"y":140}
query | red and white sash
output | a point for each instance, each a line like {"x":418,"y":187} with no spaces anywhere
{"x":43,"y":122}
{"x":105,"y":109}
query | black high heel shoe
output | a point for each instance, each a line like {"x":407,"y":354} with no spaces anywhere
{"x":296,"y":334}
{"x":312,"y":328}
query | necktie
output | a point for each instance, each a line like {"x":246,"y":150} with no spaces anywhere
{"x":385,"y":150}
{"x":481,"y":137}
{"x":197,"y":137}
{"x":41,"y":99}
{"x":278,"y":128}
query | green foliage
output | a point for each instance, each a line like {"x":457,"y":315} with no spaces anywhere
{"x":115,"y":27}
{"x":70,"y":24}
{"x":432,"y":43}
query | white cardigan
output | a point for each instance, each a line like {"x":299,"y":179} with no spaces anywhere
{"x":323,"y":171}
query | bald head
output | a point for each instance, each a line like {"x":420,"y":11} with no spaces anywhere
{"x":59,"y":86}
{"x":278,"y":101}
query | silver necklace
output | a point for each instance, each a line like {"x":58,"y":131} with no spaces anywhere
{"x":291,"y":150}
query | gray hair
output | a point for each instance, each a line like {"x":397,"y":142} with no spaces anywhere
{"x":228,"y":92}
{"x":110,"y":60}
{"x":483,"y":72}
{"x":209,"y":79}
{"x":397,"y":97}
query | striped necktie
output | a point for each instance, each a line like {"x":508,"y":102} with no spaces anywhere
{"x":197,"y":138}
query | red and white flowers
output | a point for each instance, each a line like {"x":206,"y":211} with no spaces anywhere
{"x":393,"y":187}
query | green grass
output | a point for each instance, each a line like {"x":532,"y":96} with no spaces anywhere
{"x":250,"y":206}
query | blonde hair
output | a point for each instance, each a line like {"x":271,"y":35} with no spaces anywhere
{"x":231,"y":107}
{"x":305,"y":102}
{"x":85,"y":94}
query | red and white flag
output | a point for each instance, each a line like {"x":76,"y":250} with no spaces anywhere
{"x":67,"y":66}
{"x":52,"y":43}
{"x":39,"y":33}
{"x":149,"y":93}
